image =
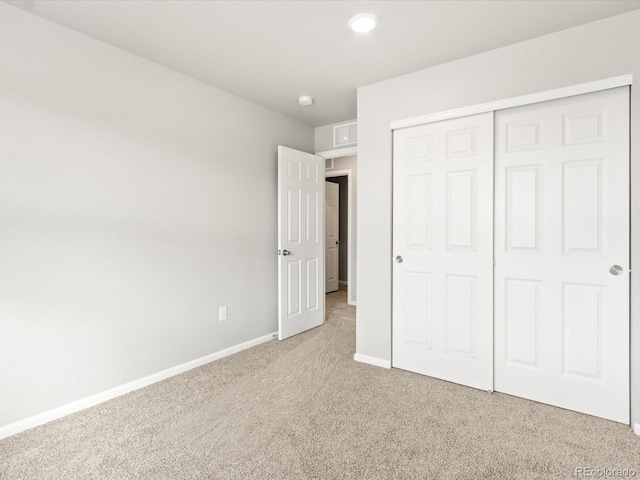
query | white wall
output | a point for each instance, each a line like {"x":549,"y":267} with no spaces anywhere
{"x":351,"y":163}
{"x":595,"y":51}
{"x":134,"y":201}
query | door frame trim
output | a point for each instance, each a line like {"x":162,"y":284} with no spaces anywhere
{"x":564,"y":92}
{"x":348,"y":172}
{"x":338,"y":152}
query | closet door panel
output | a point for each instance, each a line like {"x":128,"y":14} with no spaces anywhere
{"x":443,"y":229}
{"x":562,"y":223}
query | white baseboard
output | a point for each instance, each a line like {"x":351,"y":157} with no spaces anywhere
{"x":636,"y":428}
{"x":73,"y":407}
{"x":378,"y":362}
{"x":342,"y":282}
{"x":351,"y":302}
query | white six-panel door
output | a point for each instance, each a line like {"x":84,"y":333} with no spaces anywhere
{"x":332,"y":227}
{"x":561,"y":280}
{"x":300,"y":241}
{"x":562,"y":222}
{"x":443,"y":249}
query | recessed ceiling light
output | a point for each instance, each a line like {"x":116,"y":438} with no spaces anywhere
{"x":305,"y":100}
{"x":365,"y":22}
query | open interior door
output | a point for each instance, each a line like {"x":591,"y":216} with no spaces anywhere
{"x":300,"y":242}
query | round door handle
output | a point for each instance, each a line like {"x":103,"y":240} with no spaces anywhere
{"x":286,"y":252}
{"x":615,"y":270}
{"x":337,"y":242}
{"x":399,"y":259}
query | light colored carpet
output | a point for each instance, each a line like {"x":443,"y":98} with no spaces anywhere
{"x":303,"y":409}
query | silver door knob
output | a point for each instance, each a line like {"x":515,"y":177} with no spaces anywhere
{"x":337,"y":242}
{"x":399,"y":259}
{"x":616,"y":270}
{"x":286,"y":252}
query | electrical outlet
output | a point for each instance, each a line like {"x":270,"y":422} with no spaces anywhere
{"x":222,"y":313}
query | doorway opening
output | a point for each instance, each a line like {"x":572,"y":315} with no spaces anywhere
{"x":336,"y":231}
{"x":340,"y":230}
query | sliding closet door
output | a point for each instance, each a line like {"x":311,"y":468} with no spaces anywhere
{"x":443,"y":250}
{"x":562,"y":253}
